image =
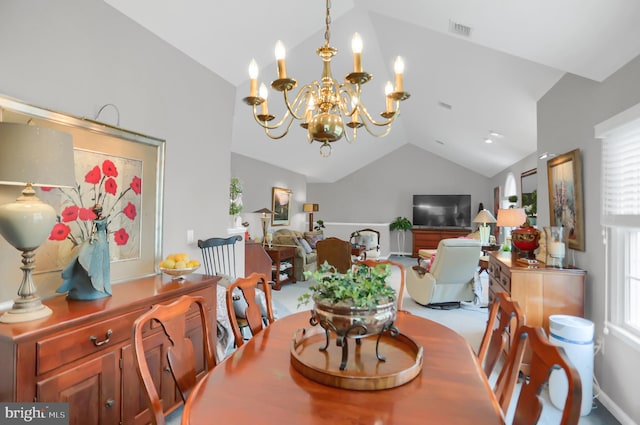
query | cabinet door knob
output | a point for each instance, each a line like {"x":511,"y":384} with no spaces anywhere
{"x":110,"y":402}
{"x":97,"y":343}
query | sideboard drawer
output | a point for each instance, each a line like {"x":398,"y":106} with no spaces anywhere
{"x":66,"y":347}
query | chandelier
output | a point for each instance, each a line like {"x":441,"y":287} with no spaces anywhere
{"x":324,"y":107}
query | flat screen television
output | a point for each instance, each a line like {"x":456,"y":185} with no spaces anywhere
{"x":442,"y":211}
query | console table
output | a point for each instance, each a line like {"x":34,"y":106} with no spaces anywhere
{"x":540,"y":291}
{"x":82,"y":353}
{"x":428,"y":238}
{"x":280,"y":254}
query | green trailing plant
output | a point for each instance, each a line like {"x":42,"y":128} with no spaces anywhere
{"x":235,"y":196}
{"x":361,"y":287}
{"x":401,"y":225}
{"x":319,"y":225}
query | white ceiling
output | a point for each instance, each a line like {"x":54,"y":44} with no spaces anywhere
{"x":516,"y":52}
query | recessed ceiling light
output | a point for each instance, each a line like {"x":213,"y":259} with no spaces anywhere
{"x":444,"y":105}
{"x":488,"y":140}
{"x":546,"y":155}
{"x":495,"y":134}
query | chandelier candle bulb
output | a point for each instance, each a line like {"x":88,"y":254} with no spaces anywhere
{"x":399,"y":69}
{"x":356,"y":46}
{"x":388,"y":89}
{"x":264,"y":93}
{"x":280,"y":56}
{"x":253,"y":75}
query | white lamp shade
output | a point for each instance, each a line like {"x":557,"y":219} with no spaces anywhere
{"x":484,"y":217}
{"x":511,"y":217}
{"x":26,"y":224}
{"x":37,"y":155}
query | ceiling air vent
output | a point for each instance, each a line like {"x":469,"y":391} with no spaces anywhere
{"x":444,"y":105}
{"x":459,"y":29}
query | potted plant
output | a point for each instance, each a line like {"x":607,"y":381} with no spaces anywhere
{"x":319,"y":226}
{"x":401,"y":225}
{"x":361,"y":298}
{"x":235,"y":201}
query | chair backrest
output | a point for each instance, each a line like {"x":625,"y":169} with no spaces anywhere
{"x":505,"y":317}
{"x":336,"y":252}
{"x":181,"y":358}
{"x":397,"y":284}
{"x":370,"y":238}
{"x":456,"y":260}
{"x":219,"y":255}
{"x":246,"y":288}
{"x":544,"y":358}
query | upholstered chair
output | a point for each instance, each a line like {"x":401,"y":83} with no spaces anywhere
{"x":451,"y":277}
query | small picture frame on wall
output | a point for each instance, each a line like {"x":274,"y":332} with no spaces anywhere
{"x":564,"y":174}
{"x":280,"y":205}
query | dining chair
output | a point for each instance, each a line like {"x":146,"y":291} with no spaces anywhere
{"x":370,"y":239}
{"x":399,"y":287}
{"x":336,"y":252}
{"x":179,"y":350}
{"x":545,"y":357}
{"x":219,"y":255}
{"x":505,"y":317}
{"x":250,"y":313}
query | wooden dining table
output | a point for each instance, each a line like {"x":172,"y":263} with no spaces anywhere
{"x":257,"y":384}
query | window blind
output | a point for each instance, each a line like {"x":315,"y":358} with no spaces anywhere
{"x":621,"y":178}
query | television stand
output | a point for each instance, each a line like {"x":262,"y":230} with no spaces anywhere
{"x":428,"y":238}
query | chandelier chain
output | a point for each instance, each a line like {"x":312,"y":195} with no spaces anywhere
{"x":327,"y":31}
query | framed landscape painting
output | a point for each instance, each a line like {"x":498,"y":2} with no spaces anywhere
{"x":564,"y":173}
{"x":280,"y":205}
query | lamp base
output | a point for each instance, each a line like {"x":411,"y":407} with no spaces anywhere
{"x":25,"y":310}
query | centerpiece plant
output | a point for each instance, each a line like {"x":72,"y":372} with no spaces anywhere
{"x":362,"y":287}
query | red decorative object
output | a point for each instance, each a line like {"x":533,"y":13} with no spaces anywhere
{"x":526,"y":238}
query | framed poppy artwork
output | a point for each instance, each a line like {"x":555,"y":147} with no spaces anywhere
{"x":119,"y":171}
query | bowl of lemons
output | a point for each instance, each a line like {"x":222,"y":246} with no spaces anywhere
{"x":178,"y":265}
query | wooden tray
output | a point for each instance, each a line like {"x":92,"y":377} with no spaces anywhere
{"x":364,"y":371}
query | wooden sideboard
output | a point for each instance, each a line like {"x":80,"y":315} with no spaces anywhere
{"x":82,"y":353}
{"x":429,"y":238}
{"x":540,"y":291}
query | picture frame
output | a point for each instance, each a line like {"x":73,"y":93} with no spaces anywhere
{"x":281,"y":206}
{"x":137,"y":181}
{"x":496,"y":207}
{"x":564,"y":174}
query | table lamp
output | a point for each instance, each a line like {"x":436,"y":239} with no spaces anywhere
{"x":508,"y":218}
{"x":265,"y":218}
{"x":31,"y":156}
{"x":484,"y":217}
{"x":310,"y":208}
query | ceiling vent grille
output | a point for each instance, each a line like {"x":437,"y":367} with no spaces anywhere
{"x":459,"y":29}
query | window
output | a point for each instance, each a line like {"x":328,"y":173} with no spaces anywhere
{"x":620,"y":217}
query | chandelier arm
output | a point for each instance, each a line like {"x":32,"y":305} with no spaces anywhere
{"x":365,"y":112}
{"x":294,"y":107}
{"x":367,"y":126}
{"x":284,"y":133}
{"x":264,"y":124}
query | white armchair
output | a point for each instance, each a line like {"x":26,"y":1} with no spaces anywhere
{"x":450,"y":279}
{"x":370,"y":239}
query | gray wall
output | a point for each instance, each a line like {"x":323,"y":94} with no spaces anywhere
{"x":567,"y":115}
{"x":74,"y":56}
{"x":383,"y":190}
{"x":257,"y":179}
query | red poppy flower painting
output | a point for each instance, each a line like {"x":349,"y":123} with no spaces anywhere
{"x":116,"y":184}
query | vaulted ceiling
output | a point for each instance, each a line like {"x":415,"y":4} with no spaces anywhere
{"x":462,"y":87}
